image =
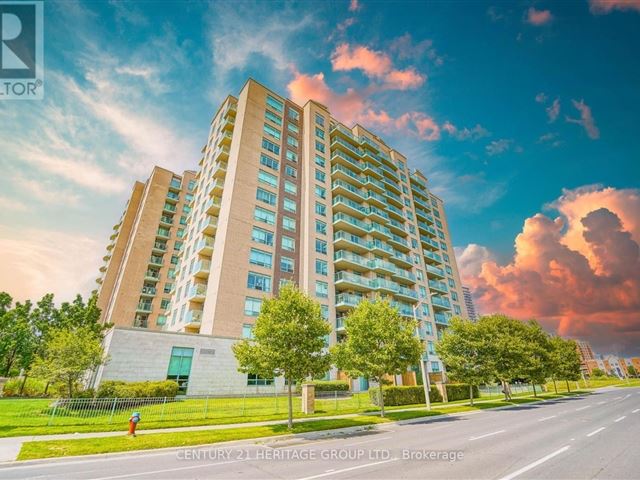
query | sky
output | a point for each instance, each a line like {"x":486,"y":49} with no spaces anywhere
{"x":523,"y":115}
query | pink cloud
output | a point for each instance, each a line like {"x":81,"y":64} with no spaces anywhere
{"x":354,"y":6}
{"x":553,"y":110}
{"x":375,"y":64}
{"x":586,"y":119}
{"x":538,"y":17}
{"x":579,"y":273}
{"x":602,"y":7}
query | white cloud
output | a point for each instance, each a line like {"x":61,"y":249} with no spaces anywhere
{"x":498,"y":147}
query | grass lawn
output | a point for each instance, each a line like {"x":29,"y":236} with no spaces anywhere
{"x":594,"y":383}
{"x":86,"y":446}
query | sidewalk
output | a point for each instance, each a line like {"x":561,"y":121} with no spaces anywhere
{"x":10,"y":446}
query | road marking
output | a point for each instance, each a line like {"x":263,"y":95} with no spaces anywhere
{"x":596,"y":431}
{"x":547,"y":418}
{"x":535,"y":464}
{"x":617,"y":398}
{"x":202,"y":465}
{"x":636,"y":410}
{"x":366,"y":441}
{"x":330,"y":470}
{"x":619,"y":419}
{"x":601,"y":403}
{"x":357,"y":467}
{"x":486,"y":435}
{"x":582,"y":408}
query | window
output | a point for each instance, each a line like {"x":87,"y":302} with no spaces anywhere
{"x":292,"y":156}
{"x":320,"y":161}
{"x":252,"y":307}
{"x":322,"y":289}
{"x":423,"y":291}
{"x":438,"y":223}
{"x":290,"y":187}
{"x":448,"y":269}
{"x":262,"y":236}
{"x":168,"y":287}
{"x":320,"y":175}
{"x":266,"y":197}
{"x":319,"y":119}
{"x":268,"y":161}
{"x":321,"y":246}
{"x":258,"y":281}
{"x":253,"y":379}
{"x":288,"y":243}
{"x":294,"y":115}
{"x":446,"y":257}
{"x":293,"y":128}
{"x":454,"y":296}
{"x":261,"y":258}
{"x":319,"y":133}
{"x":271,"y":131}
{"x":428,"y":327}
{"x":319,"y":146}
{"x":277,"y":119}
{"x":180,"y":367}
{"x":291,"y":171}
{"x":425,"y":310}
{"x":289,"y":223}
{"x":324,"y":310}
{"x":321,"y":192}
{"x":456,"y":309}
{"x":287,"y":264}
{"x":452,"y":283}
{"x":289,"y":205}
{"x":277,"y":105}
{"x":435,"y":367}
{"x":270,"y":146}
{"x":164,"y":303}
{"x":321,"y":267}
{"x":192,"y":185}
{"x":292,"y":141}
{"x":431,"y":348}
{"x":321,"y":227}
{"x":267,"y":178}
{"x":264,"y":216}
{"x":443,"y":246}
{"x":321,"y":209}
{"x":247,"y":331}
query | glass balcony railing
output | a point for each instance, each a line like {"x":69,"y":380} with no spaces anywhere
{"x":348,"y":300}
{"x":440,"y":301}
{"x":350,"y":257}
{"x":353,"y":239}
{"x":440,"y":286}
{"x":435,"y":270}
{"x":352,"y":278}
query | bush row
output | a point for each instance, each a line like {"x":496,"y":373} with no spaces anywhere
{"x":460,"y":391}
{"x":403,"y":395}
{"x":120,"y":389}
{"x":326,"y":386}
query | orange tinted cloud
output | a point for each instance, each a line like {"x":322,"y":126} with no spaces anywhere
{"x":538,"y":17}
{"x":601,"y":7}
{"x":578,"y":273}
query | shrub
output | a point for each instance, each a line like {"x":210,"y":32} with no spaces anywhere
{"x":403,"y":395}
{"x":120,"y":389}
{"x":327,"y":386}
{"x":460,"y":391}
{"x":32,"y":388}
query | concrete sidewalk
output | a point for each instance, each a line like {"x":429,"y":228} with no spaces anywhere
{"x":10,"y":446}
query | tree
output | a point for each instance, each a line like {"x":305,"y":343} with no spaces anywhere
{"x":596,"y":372}
{"x":68,"y":356}
{"x":17,"y":339}
{"x":631,"y":371}
{"x":568,"y":358}
{"x":537,"y":359}
{"x":507,"y":347}
{"x":378,"y":342}
{"x":463,"y":349}
{"x":288,"y":340}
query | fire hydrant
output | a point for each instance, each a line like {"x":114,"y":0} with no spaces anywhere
{"x":133,"y":423}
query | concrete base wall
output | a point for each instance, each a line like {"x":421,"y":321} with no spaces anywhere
{"x":138,"y":355}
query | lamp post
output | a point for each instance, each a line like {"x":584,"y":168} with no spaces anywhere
{"x":423,"y":367}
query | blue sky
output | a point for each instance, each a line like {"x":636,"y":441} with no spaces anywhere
{"x":502,"y":104}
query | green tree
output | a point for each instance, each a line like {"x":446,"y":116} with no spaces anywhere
{"x":288,"y":340}
{"x":465,"y":353}
{"x":569,"y":366}
{"x":68,"y":356}
{"x":596,"y":372}
{"x":378,"y":342}
{"x":536,"y":365}
{"x":631,"y":371}
{"x":17,"y":338}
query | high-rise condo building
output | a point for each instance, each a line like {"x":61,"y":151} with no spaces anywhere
{"x":468,"y":302}
{"x":137,"y":277}
{"x":285,"y":192}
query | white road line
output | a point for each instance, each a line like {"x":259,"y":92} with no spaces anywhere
{"x":601,"y":403}
{"x":619,"y":419}
{"x":547,"y":418}
{"x":366,"y":441}
{"x":583,"y":408}
{"x":486,"y":435}
{"x":535,"y":464}
{"x":636,"y":410}
{"x":202,"y":465}
{"x":596,"y":431}
{"x":357,"y":467}
{"x":617,"y":398}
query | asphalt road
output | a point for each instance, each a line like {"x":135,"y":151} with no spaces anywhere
{"x":595,"y":436}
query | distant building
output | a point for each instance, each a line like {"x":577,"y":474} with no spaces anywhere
{"x":468,"y":301}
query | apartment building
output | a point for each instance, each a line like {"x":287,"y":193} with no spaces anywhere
{"x":137,"y":277}
{"x":468,"y":303}
{"x":286,"y":192}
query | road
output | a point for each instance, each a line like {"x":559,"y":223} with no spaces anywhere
{"x":594,"y":436}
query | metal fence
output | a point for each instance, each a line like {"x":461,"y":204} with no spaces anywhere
{"x":495,"y":391}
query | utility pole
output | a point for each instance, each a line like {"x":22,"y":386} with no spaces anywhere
{"x":423,"y":367}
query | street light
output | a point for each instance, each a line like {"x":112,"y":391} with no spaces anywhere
{"x":423,"y":368}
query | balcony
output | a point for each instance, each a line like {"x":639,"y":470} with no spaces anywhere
{"x":155,"y":261}
{"x":374,"y":184}
{"x":152,"y":275}
{"x":382,"y":266}
{"x":341,"y":158}
{"x":344,"y":173}
{"x":395,"y":212}
{"x":352,"y":281}
{"x":343,"y":259}
{"x":205,"y":246}
{"x":144,"y":307}
{"x":397,"y":227}
{"x":229,"y":123}
{"x":225,"y":139}
{"x":340,"y":324}
{"x":380,"y":247}
{"x":435,"y":272}
{"x":347,"y":300}
{"x":201,"y":268}
{"x":376,"y":199}
{"x":159,"y":247}
{"x":148,"y":291}
{"x":221,"y":154}
{"x":439,"y":287}
{"x":166,"y":220}
{"x":342,"y":221}
{"x":401,"y":259}
{"x":173,"y":197}
{"x":340,"y":187}
{"x":345,"y":133}
{"x":212,"y":206}
{"x":175,"y":184}
{"x":390,"y":172}
{"x":230,"y":110}
{"x":210,"y":225}
{"x":386,"y":286}
{"x":393,"y":190}
{"x":197,"y":293}
{"x":377,"y":230}
{"x":372,"y":170}
{"x":215,"y":189}
{"x":219,"y":170}
{"x":348,"y":241}
{"x":193,"y":318}
{"x":376,"y":212}
{"x":441,"y":318}
{"x":405,"y":309}
{"x":348,"y":206}
{"x":421,"y":214}
{"x":429,"y":243}
{"x":348,"y":148}
{"x":367,"y":142}
{"x":404,"y":276}
{"x":407,"y":294}
{"x":440,"y":302}
{"x":400,"y":243}
{"x":168,"y":207}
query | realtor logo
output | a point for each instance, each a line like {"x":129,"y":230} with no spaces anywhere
{"x":21,"y":50}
